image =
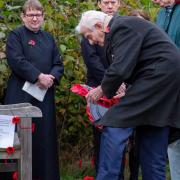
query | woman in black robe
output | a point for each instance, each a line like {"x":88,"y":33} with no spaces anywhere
{"x":34,"y":57}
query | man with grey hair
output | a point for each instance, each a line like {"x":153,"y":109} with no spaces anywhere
{"x":142,"y":55}
{"x":96,"y":64}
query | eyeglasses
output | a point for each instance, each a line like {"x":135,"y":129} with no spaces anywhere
{"x":33,"y":15}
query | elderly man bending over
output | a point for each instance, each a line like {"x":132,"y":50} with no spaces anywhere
{"x":142,"y":55}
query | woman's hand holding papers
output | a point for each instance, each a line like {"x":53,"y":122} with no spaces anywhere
{"x":45,"y":81}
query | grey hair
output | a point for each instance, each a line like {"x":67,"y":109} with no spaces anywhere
{"x":89,"y":19}
{"x":32,"y":5}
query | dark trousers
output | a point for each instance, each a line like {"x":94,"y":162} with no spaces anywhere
{"x":96,"y":143}
{"x":153,"y":143}
{"x":133,"y":157}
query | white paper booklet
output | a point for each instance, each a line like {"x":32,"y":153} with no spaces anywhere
{"x":34,"y":90}
{"x":7,"y":129}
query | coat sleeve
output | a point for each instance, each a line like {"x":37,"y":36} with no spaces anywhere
{"x":126,"y":48}
{"x":57,"y":67}
{"x":17,"y":61}
{"x":92,"y":60}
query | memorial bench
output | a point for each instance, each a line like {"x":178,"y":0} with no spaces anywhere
{"x":22,"y":140}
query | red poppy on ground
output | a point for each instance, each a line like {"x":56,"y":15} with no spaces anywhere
{"x":16,"y":119}
{"x":80,"y":163}
{"x":32,"y":42}
{"x":88,"y":178}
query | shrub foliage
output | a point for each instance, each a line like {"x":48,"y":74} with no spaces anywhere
{"x":61,"y":17}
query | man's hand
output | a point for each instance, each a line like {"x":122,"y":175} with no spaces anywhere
{"x":94,"y":95}
{"x":45,"y":81}
{"x":164,"y":3}
{"x":121,"y":91}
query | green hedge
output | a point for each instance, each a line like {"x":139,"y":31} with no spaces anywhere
{"x":61,"y":17}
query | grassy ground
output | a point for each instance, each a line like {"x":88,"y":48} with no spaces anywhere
{"x":72,"y":169}
{"x":80,"y":173}
{"x":77,"y":174}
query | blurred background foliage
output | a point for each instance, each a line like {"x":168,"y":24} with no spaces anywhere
{"x":61,"y":16}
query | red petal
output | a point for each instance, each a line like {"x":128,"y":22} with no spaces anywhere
{"x":15,"y":175}
{"x":16,"y":120}
{"x":10,"y":150}
{"x":78,"y":89}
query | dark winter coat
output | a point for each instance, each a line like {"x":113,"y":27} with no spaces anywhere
{"x":168,"y":19}
{"x":28,"y":55}
{"x":142,"y":55}
{"x":96,"y":63}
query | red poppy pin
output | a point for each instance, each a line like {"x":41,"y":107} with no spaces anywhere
{"x":15,"y":175}
{"x":32,"y":42}
{"x":10,"y":150}
{"x":15,"y":119}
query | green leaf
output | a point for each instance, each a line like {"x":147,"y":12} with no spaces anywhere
{"x":63,"y":48}
{"x":2,"y":35}
{"x":1,"y":4}
{"x":10,"y":8}
{"x":69,"y":58}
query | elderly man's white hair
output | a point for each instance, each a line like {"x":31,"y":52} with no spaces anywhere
{"x":90,"y":18}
